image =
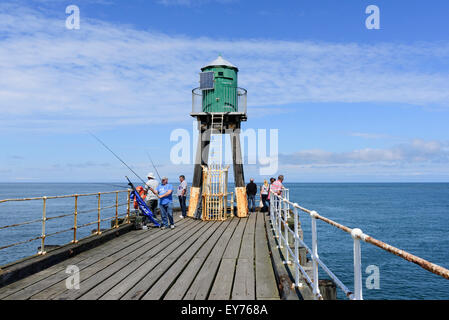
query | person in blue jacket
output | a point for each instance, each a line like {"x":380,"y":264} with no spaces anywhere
{"x":164,"y":192}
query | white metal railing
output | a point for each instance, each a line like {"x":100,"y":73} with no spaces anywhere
{"x":280,"y":213}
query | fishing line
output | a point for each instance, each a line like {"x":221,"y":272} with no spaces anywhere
{"x":154,"y":166}
{"x":98,"y":139}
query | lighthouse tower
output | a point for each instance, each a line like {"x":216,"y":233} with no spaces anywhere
{"x":219,"y":106}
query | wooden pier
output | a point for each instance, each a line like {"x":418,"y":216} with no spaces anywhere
{"x":198,"y":260}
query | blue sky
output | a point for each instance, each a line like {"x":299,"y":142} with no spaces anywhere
{"x":350,"y":104}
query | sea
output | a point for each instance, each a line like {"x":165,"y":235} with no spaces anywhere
{"x":410,"y":216}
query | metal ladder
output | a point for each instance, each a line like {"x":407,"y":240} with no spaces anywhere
{"x":218,"y":119}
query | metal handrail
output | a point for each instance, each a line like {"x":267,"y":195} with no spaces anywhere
{"x":75,"y":213}
{"x":279,"y":214}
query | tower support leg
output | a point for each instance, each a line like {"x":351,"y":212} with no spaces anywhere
{"x":201,"y":158}
{"x":239,"y":179}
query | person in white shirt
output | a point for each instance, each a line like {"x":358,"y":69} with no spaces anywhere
{"x":182,"y":195}
{"x":152,"y":197}
{"x":264,"y":189}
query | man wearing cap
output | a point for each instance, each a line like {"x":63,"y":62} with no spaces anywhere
{"x":150,"y":188}
{"x":164,"y":191}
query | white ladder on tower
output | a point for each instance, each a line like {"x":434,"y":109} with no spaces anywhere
{"x":220,"y":118}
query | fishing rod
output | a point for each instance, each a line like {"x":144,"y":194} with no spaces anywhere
{"x":112,"y":185}
{"x":154,"y":166}
{"x":104,"y":145}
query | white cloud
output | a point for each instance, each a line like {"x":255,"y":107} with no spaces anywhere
{"x":366,"y":135}
{"x":107,"y":75}
{"x":416,"y":151}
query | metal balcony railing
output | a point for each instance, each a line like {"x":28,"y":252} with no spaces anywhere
{"x":233,"y":99}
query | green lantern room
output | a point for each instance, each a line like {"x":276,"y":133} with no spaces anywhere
{"x":218,"y":91}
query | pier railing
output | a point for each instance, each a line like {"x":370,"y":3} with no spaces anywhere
{"x":281,"y":209}
{"x":76,"y":225}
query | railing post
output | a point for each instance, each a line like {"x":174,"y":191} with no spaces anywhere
{"x":99,"y":214}
{"x":274,"y":216}
{"x":316,"y":289}
{"x":271,"y":207}
{"x":295,"y":212}
{"x":232,"y":204}
{"x":44,"y":218}
{"x":75,"y":220}
{"x":116,"y":210}
{"x":279,"y":221}
{"x":128,"y":207}
{"x":287,"y":253}
{"x":358,"y":288}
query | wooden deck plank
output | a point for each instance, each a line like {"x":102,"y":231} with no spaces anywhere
{"x":247,"y":246}
{"x":48,"y":272}
{"x":183,"y":283}
{"x":58,"y":283}
{"x":243,"y":288}
{"x":144,"y":284}
{"x":58,"y":286}
{"x":101,"y":253}
{"x":107,"y":284}
{"x":46,"y":276}
{"x":197,"y":260}
{"x":206,"y":242}
{"x":227,"y":268}
{"x":222,"y":287}
{"x":86,"y":272}
{"x":130,"y":281}
{"x":101,"y":272}
{"x":111,"y":282}
{"x":266,"y":287}
{"x":232,"y":250}
{"x":202,"y":284}
{"x":244,"y":280}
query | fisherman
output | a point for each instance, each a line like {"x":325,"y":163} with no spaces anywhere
{"x":164,"y":191}
{"x":141,"y":191}
{"x":150,"y":188}
{"x":182,"y":195}
{"x":251,"y":191}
